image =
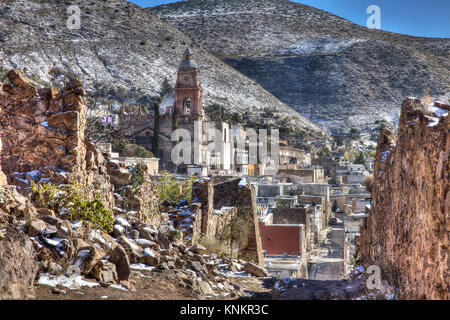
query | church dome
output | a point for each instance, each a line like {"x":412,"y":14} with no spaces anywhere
{"x":188,"y":62}
{"x":187,"y":65}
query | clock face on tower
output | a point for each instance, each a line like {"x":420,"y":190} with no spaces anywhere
{"x":186,"y":78}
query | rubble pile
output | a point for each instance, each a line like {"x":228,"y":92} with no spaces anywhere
{"x":42,"y":244}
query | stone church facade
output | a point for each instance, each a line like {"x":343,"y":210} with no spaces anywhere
{"x":186,"y":104}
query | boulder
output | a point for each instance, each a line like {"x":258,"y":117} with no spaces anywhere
{"x":151,"y":257}
{"x":64,"y":230}
{"x":120,"y":258}
{"x":118,"y":231}
{"x":44,"y":212}
{"x":35,"y":227}
{"x":16,"y":249}
{"x":144,"y":243}
{"x":146,"y":232}
{"x":87,"y":257}
{"x":205,"y":288}
{"x":198,"y":249}
{"x":255,"y":270}
{"x":196,"y":266}
{"x":163,"y":241}
{"x":133,"y":250}
{"x":105,"y":271}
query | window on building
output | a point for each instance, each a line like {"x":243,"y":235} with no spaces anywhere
{"x":187,"y":106}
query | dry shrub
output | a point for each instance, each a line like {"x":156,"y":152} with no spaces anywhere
{"x":426,"y":100}
{"x":368,"y":183}
{"x":214,"y":245}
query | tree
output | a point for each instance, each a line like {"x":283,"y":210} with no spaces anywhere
{"x":339,"y":141}
{"x":133,"y":150}
{"x":359,"y":158}
{"x":166,"y":88}
{"x":175,"y":119}
{"x":355,"y":133}
{"x":236,"y":118}
{"x":155,"y":141}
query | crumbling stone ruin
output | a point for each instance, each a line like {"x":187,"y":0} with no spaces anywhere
{"x":43,"y":138}
{"x":212,"y":210}
{"x":42,"y":131}
{"x":407,"y":233}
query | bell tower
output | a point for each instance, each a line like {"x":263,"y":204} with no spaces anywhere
{"x":188,"y":90}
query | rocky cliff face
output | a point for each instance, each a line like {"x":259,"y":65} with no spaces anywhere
{"x":118,"y":41}
{"x":43,"y":138}
{"x":407,"y":233}
{"x":338,"y":74}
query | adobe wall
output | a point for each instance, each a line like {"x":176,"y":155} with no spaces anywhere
{"x":241,"y":195}
{"x":408,"y":228}
{"x":220,"y":203}
{"x":42,"y":131}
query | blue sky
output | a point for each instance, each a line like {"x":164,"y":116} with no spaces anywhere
{"x":425,"y":18}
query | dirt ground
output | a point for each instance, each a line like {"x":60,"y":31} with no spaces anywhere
{"x":151,"y":285}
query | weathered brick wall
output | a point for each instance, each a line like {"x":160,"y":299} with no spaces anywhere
{"x":43,"y":138}
{"x":408,"y":228}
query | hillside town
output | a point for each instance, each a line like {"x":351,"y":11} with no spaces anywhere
{"x":309,"y":206}
{"x":183,"y":164}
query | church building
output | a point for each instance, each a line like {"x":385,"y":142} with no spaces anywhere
{"x":185,"y":104}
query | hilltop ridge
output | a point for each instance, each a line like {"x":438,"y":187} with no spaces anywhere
{"x":338,"y":74}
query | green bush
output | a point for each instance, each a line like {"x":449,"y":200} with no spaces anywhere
{"x":76,"y":202}
{"x":168,"y":188}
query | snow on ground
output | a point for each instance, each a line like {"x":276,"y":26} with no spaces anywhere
{"x":72,"y":283}
{"x":320,"y":45}
{"x":433,"y":121}
{"x":141,"y":266}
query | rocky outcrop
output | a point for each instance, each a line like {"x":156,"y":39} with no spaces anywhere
{"x":16,"y":250}
{"x":407,"y":232}
{"x":43,"y":138}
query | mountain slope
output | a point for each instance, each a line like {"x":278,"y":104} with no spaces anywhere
{"x":338,"y":74}
{"x":121,"y":45}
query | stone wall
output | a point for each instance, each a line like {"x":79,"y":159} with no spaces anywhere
{"x":43,"y":138}
{"x":2,"y":175}
{"x":238,"y":193}
{"x":407,"y":232}
{"x":220,"y":203}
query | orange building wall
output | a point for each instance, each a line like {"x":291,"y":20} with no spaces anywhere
{"x":283,"y":239}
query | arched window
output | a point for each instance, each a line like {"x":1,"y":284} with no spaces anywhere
{"x":187,"y":106}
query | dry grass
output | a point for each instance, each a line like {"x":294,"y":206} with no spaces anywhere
{"x":216,"y":246}
{"x":426,"y":100}
{"x":368,"y":183}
